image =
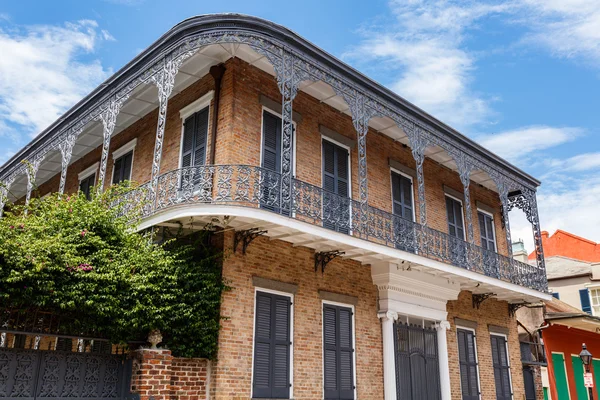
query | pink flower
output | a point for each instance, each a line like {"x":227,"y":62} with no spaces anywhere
{"x":70,"y":210}
{"x":21,"y":226}
{"x":83,"y":232}
{"x":12,"y":227}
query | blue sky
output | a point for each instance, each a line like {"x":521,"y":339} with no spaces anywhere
{"x":521,"y":77}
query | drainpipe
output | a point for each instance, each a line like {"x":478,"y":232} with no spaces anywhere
{"x":217,"y":72}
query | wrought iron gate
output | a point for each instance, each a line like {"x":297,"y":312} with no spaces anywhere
{"x":417,"y":367}
{"x":34,"y":374}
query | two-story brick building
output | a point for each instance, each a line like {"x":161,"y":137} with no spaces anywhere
{"x":368,"y":243}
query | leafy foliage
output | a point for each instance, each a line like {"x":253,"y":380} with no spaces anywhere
{"x":82,"y":260}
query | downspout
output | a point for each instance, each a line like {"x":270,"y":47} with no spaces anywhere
{"x":217,"y":72}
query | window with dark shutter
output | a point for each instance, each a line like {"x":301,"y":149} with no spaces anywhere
{"x":584,"y":297}
{"x":501,"y":368}
{"x":402,"y":207}
{"x":556,"y":295}
{"x":338,"y":352}
{"x":336,"y":185}
{"x":20,"y":341}
{"x":86,"y":185}
{"x":195,"y":133}
{"x":272,"y":347}
{"x":122,"y":168}
{"x":486,"y":229}
{"x":455,"y":218}
{"x":467,"y":357}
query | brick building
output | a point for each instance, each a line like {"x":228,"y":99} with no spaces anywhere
{"x":366,"y":242}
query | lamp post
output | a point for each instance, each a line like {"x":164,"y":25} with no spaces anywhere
{"x":586,"y":359}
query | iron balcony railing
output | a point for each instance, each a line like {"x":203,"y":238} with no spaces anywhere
{"x":256,"y":187}
{"x":532,"y":353}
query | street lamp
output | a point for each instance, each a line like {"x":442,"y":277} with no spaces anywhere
{"x":586,"y":359}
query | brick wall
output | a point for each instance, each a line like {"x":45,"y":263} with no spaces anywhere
{"x":159,"y":375}
{"x":491,"y":312}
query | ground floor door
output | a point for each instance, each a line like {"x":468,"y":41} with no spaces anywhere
{"x":560,"y":376}
{"x":34,"y":374}
{"x":529,"y":380}
{"x":417,"y":365}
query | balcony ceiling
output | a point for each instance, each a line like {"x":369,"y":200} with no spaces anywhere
{"x":145,"y":99}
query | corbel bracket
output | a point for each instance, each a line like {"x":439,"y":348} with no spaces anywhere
{"x":480,"y":298}
{"x":513,"y":307}
{"x":322,"y":258}
{"x":245,"y":237}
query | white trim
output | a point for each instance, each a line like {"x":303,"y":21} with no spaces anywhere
{"x":262,"y":132}
{"x":126,"y":148}
{"x":464,"y":328}
{"x":489,"y":214}
{"x":350,"y":306}
{"x":182,"y":211}
{"x":462,"y":215}
{"x":92,"y":169}
{"x":505,"y":336}
{"x":566,"y":374}
{"x":291,"y":296}
{"x":412,"y":190}
{"x":196,"y":105}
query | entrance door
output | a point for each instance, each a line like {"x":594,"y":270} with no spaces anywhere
{"x":417,"y":365}
{"x":404,"y":232}
{"x":529,"y":379}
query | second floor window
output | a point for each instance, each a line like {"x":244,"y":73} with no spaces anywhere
{"x":122,"y":168}
{"x":336,"y":183}
{"x":486,"y":229}
{"x":402,"y":196}
{"x":456,"y":226}
{"x":86,"y":185}
{"x":195,"y":133}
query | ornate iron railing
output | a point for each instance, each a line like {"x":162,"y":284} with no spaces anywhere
{"x":256,"y":187}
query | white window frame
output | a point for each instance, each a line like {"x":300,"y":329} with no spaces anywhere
{"x":590,"y":288}
{"x":192,"y":108}
{"x":262,"y":132}
{"x":505,"y":336}
{"x":462,"y":214}
{"x":86,"y":173}
{"x":345,"y":305}
{"x":120,"y":152}
{"x":279,"y":293}
{"x":489,"y":214}
{"x":465,"y":328}
{"x":394,"y":170}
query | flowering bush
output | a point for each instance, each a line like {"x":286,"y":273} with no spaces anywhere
{"x":81,"y":259}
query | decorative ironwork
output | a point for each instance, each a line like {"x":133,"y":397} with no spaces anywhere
{"x":66,"y":151}
{"x":480,"y":298}
{"x":514,"y":307}
{"x":246,"y":237}
{"x":256,"y":187}
{"x":37,"y":374}
{"x":108,"y":116}
{"x":32,"y":169}
{"x":322,"y":258}
{"x":4,"y":189}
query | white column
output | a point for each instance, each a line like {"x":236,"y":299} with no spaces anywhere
{"x":389,"y":361}
{"x":442,"y":327}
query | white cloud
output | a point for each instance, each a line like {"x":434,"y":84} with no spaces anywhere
{"x":514,"y":144}
{"x":422,"y":50}
{"x":567,"y":28}
{"x":44,"y":71}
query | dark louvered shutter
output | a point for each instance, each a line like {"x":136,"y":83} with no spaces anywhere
{"x":402,"y":196}
{"x":336,"y":182}
{"x":584,"y":296}
{"x":195,"y":132}
{"x":272,"y":346}
{"x":468,"y":364}
{"x":556,"y":295}
{"x":455,"y":220}
{"x":486,"y":229}
{"x":501,"y":368}
{"x":122,"y":168}
{"x":271,"y":142}
{"x":338,"y":352}
{"x":86,"y":185}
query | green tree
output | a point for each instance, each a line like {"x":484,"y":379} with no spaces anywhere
{"x":84,"y":260}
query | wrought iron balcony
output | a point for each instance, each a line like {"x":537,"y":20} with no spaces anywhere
{"x":250,"y":186}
